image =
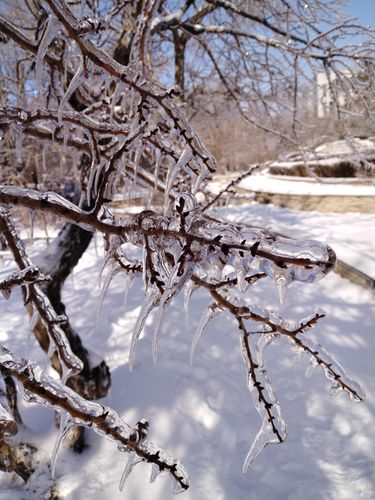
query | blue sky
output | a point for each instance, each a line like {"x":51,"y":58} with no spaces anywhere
{"x":364,"y":10}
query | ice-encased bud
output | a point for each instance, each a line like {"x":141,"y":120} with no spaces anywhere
{"x":304,"y":261}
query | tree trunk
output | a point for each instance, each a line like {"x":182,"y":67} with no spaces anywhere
{"x":179,"y":59}
{"x":58,"y":261}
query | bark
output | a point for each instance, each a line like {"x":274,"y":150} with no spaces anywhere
{"x":17,"y":458}
{"x":179,"y":59}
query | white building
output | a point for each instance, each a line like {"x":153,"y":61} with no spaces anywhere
{"x":325,"y":83}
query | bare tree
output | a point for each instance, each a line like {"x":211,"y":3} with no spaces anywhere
{"x":118,"y":128}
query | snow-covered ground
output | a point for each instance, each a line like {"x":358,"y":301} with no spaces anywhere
{"x":204,"y":414}
{"x":266,"y":183}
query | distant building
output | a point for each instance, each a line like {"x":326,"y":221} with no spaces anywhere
{"x":325,"y":83}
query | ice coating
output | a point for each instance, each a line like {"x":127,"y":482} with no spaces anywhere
{"x":155,"y":471}
{"x":50,"y":32}
{"x":41,"y":388}
{"x":184,"y":247}
{"x":77,"y":80}
{"x":32,"y":197}
{"x":8,"y":425}
{"x":175,"y":282}
{"x":189,"y":290}
{"x":319,"y":258}
{"x":130,"y":464}
{"x":111,"y":272}
{"x":70,"y":363}
{"x":152,"y":298}
{"x":185,"y":157}
{"x":273,"y":428}
{"x":66,"y":423}
{"x":335,"y":373}
{"x":30,"y":274}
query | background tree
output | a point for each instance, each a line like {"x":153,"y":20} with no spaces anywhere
{"x":115,"y":126}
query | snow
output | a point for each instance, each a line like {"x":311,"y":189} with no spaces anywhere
{"x":203,"y":415}
{"x":267,"y":183}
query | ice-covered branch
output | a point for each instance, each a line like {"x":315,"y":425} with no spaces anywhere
{"x":70,"y":363}
{"x":41,"y":388}
{"x":273,"y":429}
{"x":146,"y":89}
{"x":54,"y":204}
{"x":28,"y":275}
{"x":25,"y":118}
{"x":228,"y":188}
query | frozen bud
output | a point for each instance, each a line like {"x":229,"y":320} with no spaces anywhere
{"x":91,"y":26}
{"x":148,"y":220}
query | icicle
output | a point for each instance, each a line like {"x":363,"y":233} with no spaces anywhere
{"x":273,"y":429}
{"x":127,"y":285}
{"x":45,"y":227}
{"x":51,"y":31}
{"x":90,"y":183}
{"x":177,"y":488}
{"x":155,"y":471}
{"x":173,"y":171}
{"x":282,"y":286}
{"x":189,"y":290}
{"x":95,"y":238}
{"x":240,"y":270}
{"x":137,"y":157}
{"x":115,"y":97}
{"x":44,"y":162}
{"x":162,"y":308}
{"x":183,"y":483}
{"x":334,"y":390}
{"x":311,"y":368}
{"x":145,"y":270}
{"x":133,"y":460}
{"x":102,"y":419}
{"x":66,"y":372}
{"x":34,"y":320}
{"x":66,"y":423}
{"x":152,"y":298}
{"x":208,"y":314}
{"x":110,"y":274}
{"x":18,"y":145}
{"x":98,"y":172}
{"x":76,"y":81}
{"x":332,"y":369}
{"x":197,"y":183}
{"x":31,"y":225}
{"x":6,"y":293}
{"x":261,"y":440}
{"x":51,"y":350}
{"x":174,"y":284}
{"x":65,"y":133}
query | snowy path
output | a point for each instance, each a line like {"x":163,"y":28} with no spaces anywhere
{"x":204,"y":415}
{"x":309,"y":186}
